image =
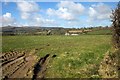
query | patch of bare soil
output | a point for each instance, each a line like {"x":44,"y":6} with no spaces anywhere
{"x":23,"y":65}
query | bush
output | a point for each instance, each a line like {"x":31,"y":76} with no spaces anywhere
{"x":116,"y":26}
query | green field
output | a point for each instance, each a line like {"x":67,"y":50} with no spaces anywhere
{"x":77,"y":56}
{"x":101,"y":32}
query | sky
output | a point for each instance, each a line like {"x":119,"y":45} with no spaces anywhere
{"x":66,"y":14}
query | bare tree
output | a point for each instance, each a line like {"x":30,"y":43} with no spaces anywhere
{"x":116,"y":26}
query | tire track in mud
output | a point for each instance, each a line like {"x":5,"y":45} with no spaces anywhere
{"x":24,"y":65}
{"x":38,"y":68}
{"x":17,"y":64}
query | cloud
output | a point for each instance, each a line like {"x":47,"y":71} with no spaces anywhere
{"x":99,"y":12}
{"x":25,"y":15}
{"x":75,"y":8}
{"x":39,"y":21}
{"x":67,"y":12}
{"x":29,"y":12}
{"x":60,"y":13}
{"x":28,"y":6}
{"x":27,"y":9}
{"x":7,"y":19}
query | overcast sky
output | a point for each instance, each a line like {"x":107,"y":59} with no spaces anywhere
{"x":57,"y":14}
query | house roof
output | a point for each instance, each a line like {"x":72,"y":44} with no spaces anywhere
{"x":75,"y":31}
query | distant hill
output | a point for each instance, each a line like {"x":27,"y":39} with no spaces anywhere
{"x":11,"y":30}
{"x":36,"y":30}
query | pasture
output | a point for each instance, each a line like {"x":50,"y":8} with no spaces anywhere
{"x":76,"y":56}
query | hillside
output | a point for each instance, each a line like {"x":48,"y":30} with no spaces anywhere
{"x":27,"y":30}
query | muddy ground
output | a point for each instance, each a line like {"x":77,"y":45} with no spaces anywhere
{"x":23,"y":64}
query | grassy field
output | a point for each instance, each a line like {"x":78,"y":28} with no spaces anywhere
{"x":101,"y":32}
{"x":77,"y":56}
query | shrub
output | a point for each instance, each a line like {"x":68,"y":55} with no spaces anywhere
{"x":116,"y":26}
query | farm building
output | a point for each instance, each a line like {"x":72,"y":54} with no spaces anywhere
{"x":76,"y":32}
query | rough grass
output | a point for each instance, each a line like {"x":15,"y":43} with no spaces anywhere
{"x":110,"y":65}
{"x":77,"y":56}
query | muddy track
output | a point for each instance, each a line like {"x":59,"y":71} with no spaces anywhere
{"x":38,"y":68}
{"x":23,"y":65}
